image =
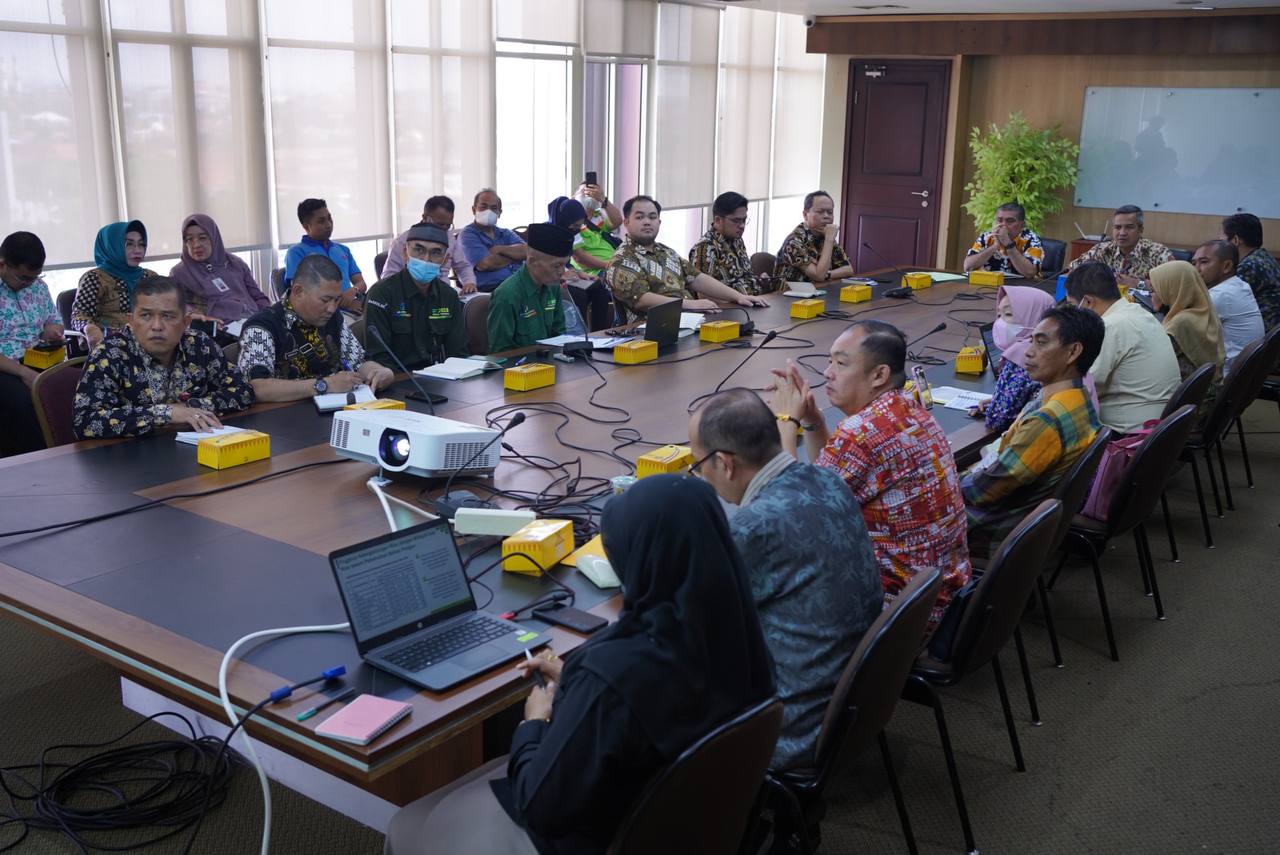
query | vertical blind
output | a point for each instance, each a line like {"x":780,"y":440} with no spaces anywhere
{"x":619,"y":27}
{"x":797,"y":111}
{"x":685,"y":113}
{"x":746,"y":102}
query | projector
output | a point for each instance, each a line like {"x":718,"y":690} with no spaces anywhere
{"x":405,"y":441}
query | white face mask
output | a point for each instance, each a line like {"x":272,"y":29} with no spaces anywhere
{"x":487,"y":218}
{"x":588,"y":203}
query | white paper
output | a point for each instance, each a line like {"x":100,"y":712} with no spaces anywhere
{"x":691,"y":320}
{"x":958,"y":399}
{"x":804,"y":293}
{"x":453,"y":368}
{"x":337,"y":400}
{"x":234,"y":328}
{"x":191,"y":437}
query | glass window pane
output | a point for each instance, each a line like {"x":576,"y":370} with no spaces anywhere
{"x":681,"y":229}
{"x":687,"y":33}
{"x":628,"y":131}
{"x":450,"y":24}
{"x":533,"y":106}
{"x":615,"y":27}
{"x":236,"y":18}
{"x":357,"y":21}
{"x":797,"y":112}
{"x":685,"y":157}
{"x":157,"y":182}
{"x":595,"y":120}
{"x":784,"y":215}
{"x":538,"y":20}
{"x":140,"y":15}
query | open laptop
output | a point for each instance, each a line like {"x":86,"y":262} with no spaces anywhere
{"x":993,"y":354}
{"x":662,"y":323}
{"x":412,"y":611}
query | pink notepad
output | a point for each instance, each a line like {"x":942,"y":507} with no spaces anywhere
{"x":364,"y":719}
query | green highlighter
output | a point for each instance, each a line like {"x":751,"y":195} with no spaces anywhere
{"x":338,"y":698}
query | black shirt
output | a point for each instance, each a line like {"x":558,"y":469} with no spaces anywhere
{"x":421,"y":329}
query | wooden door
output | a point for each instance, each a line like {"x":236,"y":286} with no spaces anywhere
{"x":893,"y":161}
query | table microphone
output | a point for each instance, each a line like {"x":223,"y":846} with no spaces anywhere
{"x":895,"y":292}
{"x":939,"y":328}
{"x":747,"y":327}
{"x":422,"y":394}
{"x":770,"y":336}
{"x":446,"y":508}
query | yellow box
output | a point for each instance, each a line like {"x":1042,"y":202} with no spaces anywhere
{"x":523,"y":378}
{"x":635,"y":351}
{"x":992,"y":278}
{"x":969,"y":360}
{"x":855,"y":293}
{"x":664,"y":461}
{"x":917,"y":281}
{"x":233,"y":449}
{"x":718,"y":330}
{"x":545,"y":541}
{"x":40,"y":358}
{"x":378,"y":404}
{"x":807,"y":308}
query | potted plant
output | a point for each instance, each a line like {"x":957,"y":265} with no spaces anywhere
{"x":1018,"y":163}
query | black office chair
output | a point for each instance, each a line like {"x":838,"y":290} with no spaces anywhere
{"x":859,"y":709}
{"x":65,"y":301}
{"x":1264,"y":364}
{"x":277,"y":283}
{"x":1054,"y":253}
{"x":1191,"y":391}
{"x":1181,"y":254}
{"x":379,"y":262}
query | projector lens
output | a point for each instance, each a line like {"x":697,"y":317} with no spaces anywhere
{"x":394,"y":449}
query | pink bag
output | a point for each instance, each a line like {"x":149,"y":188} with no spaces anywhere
{"x":1115,"y":459}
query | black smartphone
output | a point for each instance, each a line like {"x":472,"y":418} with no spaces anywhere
{"x":592,"y":178}
{"x":571,"y":618}
{"x":209,"y":328}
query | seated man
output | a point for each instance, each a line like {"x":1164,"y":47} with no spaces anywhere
{"x":1137,"y":370}
{"x":812,"y":251}
{"x":889,"y":450}
{"x":415,"y":311}
{"x":495,"y":253}
{"x":317,"y":222}
{"x":645,"y":273}
{"x":1231,"y":296}
{"x":1257,"y":266}
{"x":300,"y":347}
{"x":1009,"y":247}
{"x":1129,"y":255}
{"x":438,"y":211}
{"x":27,"y":317}
{"x":1052,"y":431}
{"x":156,"y":372}
{"x":812,"y":571}
{"x":527,"y":306}
{"x":721,"y":252}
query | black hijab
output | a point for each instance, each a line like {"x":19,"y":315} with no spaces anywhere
{"x":687,"y":652}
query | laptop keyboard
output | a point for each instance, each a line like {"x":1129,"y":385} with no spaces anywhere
{"x":435,"y":648}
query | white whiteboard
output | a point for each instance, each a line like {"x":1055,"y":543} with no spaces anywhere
{"x":1193,"y":151}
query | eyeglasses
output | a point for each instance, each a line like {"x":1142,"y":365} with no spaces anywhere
{"x":693,"y":470}
{"x":739,"y":221}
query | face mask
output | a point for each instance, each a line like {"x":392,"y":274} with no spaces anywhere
{"x":422,"y":271}
{"x":1004,"y":333}
{"x":487,"y":218}
{"x":588,"y":203}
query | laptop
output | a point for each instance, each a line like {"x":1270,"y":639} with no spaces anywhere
{"x":412,"y":611}
{"x":993,"y":354}
{"x":662,"y":323}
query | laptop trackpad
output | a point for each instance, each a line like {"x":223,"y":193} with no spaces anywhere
{"x":480,"y":657}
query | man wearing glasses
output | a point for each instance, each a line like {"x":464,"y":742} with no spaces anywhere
{"x":415,"y":311}
{"x":721,"y":252}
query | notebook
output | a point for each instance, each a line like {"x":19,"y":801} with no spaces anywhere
{"x":457,"y":368}
{"x":364,"y":719}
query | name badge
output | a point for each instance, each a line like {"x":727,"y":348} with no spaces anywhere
{"x":441,"y":314}
{"x":220,"y":285}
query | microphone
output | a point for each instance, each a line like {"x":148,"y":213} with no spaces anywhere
{"x":422,"y":394}
{"x":747,"y":327}
{"x":939,"y":328}
{"x":770,"y":336}
{"x":895,"y":292}
{"x":446,"y":508}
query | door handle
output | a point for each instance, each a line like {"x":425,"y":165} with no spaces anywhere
{"x":924,"y":193}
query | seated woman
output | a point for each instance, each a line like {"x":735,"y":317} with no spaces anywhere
{"x":590,"y":295}
{"x":104,"y":295}
{"x":685,"y":655}
{"x":1018,"y":310}
{"x":1191,"y":322}
{"x":219,"y":285}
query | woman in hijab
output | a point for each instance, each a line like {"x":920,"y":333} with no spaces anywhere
{"x":1018,"y":310}
{"x":219,"y":285}
{"x":1189,"y":319}
{"x":104,"y":295}
{"x":685,"y":655}
{"x":590,"y":295}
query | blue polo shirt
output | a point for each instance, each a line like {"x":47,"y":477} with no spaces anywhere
{"x":338,"y":254}
{"x":476,"y":244}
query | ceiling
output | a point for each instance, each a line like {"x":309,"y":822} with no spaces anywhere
{"x":974,"y":7}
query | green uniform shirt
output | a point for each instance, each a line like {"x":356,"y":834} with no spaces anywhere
{"x":521,"y":312}
{"x":421,"y":329}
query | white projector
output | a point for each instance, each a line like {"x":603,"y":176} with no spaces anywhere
{"x":405,"y":441}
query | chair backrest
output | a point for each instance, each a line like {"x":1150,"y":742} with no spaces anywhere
{"x":476,"y":316}
{"x":65,"y":301}
{"x":1234,"y":388}
{"x":51,"y":395}
{"x":232,"y":352}
{"x":869,"y":688}
{"x":763,"y":262}
{"x":703,"y":800}
{"x":1258,"y":369}
{"x":1181,"y":254}
{"x":1055,"y":251}
{"x":379,"y":262}
{"x":1192,"y":390}
{"x":358,"y":328}
{"x":1073,"y":489}
{"x":998,"y":600}
{"x":1143,"y":480}
{"x":277,"y":284}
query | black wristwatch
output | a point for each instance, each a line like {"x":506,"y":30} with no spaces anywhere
{"x":321,"y":386}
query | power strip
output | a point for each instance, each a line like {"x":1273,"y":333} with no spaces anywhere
{"x":491,"y":521}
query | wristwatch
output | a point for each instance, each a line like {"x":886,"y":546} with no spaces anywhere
{"x":321,"y":386}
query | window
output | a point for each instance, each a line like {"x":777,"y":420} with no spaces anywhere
{"x":746,"y":102}
{"x":784,"y":215}
{"x":683,"y":167}
{"x":797,"y":108}
{"x":681,"y":228}
{"x":534,"y":143}
{"x":613,"y":126}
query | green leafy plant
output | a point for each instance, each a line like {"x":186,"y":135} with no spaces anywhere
{"x":1017,"y":163}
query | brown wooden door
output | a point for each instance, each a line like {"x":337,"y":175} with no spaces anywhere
{"x":893,"y":161}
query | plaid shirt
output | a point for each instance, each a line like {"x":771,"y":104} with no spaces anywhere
{"x":726,"y":260}
{"x":637,"y":270}
{"x":1260,"y":269}
{"x":1027,"y":242}
{"x":1034,"y":454}
{"x":1146,"y":255}
{"x":896,"y":460}
{"x":802,"y":248}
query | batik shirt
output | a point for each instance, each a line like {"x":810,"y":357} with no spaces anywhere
{"x":125,"y":391}
{"x":1027,"y":242}
{"x":637,"y":270}
{"x":1146,"y":255}
{"x":1260,"y":269}
{"x":896,"y":460}
{"x":1014,"y":387}
{"x":802,"y":248}
{"x":314,"y":356}
{"x":102,"y":300}
{"x":726,"y":260}
{"x":23,"y":314}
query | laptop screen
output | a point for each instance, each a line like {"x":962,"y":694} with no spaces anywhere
{"x":402,"y":581}
{"x":993,"y":352}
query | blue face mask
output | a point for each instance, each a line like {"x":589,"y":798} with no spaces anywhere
{"x":422,"y":271}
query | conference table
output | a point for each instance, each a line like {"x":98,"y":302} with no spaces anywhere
{"x":161,"y":593}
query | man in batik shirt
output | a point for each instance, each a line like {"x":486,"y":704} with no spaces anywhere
{"x":1010,"y":247}
{"x":812,"y":252}
{"x":721,"y":252}
{"x":1129,"y":255}
{"x":156,"y":372}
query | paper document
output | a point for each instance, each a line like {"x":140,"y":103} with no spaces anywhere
{"x":234,"y":328}
{"x":945,"y":277}
{"x":191,"y":437}
{"x":958,"y":399}
{"x":454,"y":368}
{"x":337,"y":400}
{"x":691,"y":320}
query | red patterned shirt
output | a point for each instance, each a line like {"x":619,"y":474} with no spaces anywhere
{"x":896,"y":460}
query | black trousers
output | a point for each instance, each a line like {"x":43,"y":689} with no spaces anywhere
{"x":19,"y":430}
{"x":595,"y":304}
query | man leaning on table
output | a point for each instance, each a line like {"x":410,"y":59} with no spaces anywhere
{"x":1010,"y":247}
{"x":1129,"y":255}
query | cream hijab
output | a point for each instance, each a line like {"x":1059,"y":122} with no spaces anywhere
{"x":1189,"y":316}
